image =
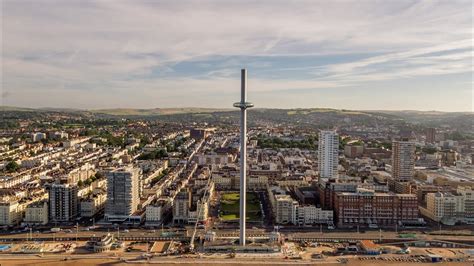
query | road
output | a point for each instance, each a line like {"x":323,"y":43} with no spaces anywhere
{"x":226,"y":233}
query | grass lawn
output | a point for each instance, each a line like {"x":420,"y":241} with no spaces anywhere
{"x":230,"y":207}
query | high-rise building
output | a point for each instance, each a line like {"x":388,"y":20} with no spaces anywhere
{"x":328,"y":154}
{"x":403,"y":160}
{"x":123,"y":193}
{"x":63,"y":202}
{"x":430,"y":135}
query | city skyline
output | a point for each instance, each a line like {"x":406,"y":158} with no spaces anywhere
{"x":407,"y":55}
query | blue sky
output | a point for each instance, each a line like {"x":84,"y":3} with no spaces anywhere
{"x":145,"y":54}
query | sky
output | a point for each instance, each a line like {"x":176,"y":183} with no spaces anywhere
{"x":363,"y":55}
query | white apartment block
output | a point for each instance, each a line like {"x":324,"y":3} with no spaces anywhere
{"x":328,"y":154}
{"x":309,"y":214}
{"x":10,"y":213}
{"x":288,"y":211}
{"x":283,"y":210}
{"x":449,"y":208}
{"x":36,"y":213}
{"x":154,"y":213}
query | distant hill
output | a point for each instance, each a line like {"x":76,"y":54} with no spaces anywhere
{"x":156,"y":111}
{"x":15,"y":109}
{"x":303,"y":117}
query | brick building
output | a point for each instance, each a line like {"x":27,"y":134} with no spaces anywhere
{"x":366,"y":207}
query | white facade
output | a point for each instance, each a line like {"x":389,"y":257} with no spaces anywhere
{"x":288,"y":211}
{"x":10,"y":213}
{"x":14,"y":180}
{"x":451,"y":207}
{"x":154,"y":213}
{"x":309,"y":214}
{"x":284,"y":209}
{"x":36,"y":213}
{"x":328,"y":151}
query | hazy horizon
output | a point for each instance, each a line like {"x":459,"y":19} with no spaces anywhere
{"x":390,"y":56}
{"x":230,"y":108}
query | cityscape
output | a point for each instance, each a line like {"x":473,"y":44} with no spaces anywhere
{"x":106,"y":160}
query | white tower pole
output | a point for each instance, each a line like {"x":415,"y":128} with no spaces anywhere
{"x":243,"y":105}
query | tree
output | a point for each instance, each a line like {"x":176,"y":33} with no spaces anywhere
{"x":12,"y":167}
{"x":80,"y":183}
{"x":99,"y":175}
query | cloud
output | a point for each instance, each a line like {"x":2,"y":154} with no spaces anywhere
{"x":109,"y":46}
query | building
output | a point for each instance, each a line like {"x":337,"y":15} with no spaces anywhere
{"x":215,"y":158}
{"x":57,"y":135}
{"x":369,"y":208}
{"x":35,"y":137}
{"x":36,"y":213}
{"x":9,"y":181}
{"x":10,"y":213}
{"x":449,"y":157}
{"x":430,"y":135}
{"x":309,"y":214}
{"x":403,"y":160}
{"x":154,"y":212}
{"x":93,"y":203}
{"x":353,"y":151}
{"x":80,"y":173}
{"x":328,"y":152}
{"x":181,"y":206}
{"x":450,"y":207}
{"x":199,"y":212}
{"x":63,"y":202}
{"x":284,"y":205}
{"x":198,"y":133}
{"x":289,"y":211}
{"x":123,"y":193}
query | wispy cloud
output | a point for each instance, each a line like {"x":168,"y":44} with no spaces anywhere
{"x":163,"y":48}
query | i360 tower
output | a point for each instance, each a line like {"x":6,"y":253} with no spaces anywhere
{"x":243,"y":105}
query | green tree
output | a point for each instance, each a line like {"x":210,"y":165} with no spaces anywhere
{"x":12,"y":167}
